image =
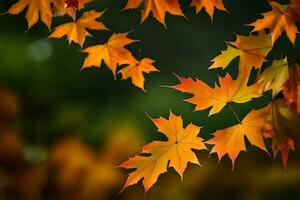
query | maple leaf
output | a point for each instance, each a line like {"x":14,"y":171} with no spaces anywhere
{"x":112,"y":53}
{"x":62,"y":7}
{"x":274,"y":77}
{"x":282,"y":123}
{"x":159,"y":8}
{"x":72,"y":3}
{"x":294,"y":8}
{"x":36,"y":9}
{"x":176,"y":152}
{"x":76,"y":31}
{"x":252,"y":51}
{"x":229,"y":91}
{"x":291,"y":89}
{"x":135,"y":71}
{"x":281,"y":18}
{"x":231,"y":140}
{"x":208,"y":5}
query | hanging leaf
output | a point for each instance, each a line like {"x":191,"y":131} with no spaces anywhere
{"x":135,"y":71}
{"x":62,"y":7}
{"x":229,"y":91}
{"x":36,"y":9}
{"x":282,"y":18}
{"x":176,"y":152}
{"x":282,"y":124}
{"x":274,"y":77}
{"x":158,"y":8}
{"x":208,"y":5}
{"x":77,"y":31}
{"x":252,"y":51}
{"x":111,"y":53}
{"x":232,"y":140}
{"x":291,"y":89}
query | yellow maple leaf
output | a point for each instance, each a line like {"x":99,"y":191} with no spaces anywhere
{"x":208,"y":5}
{"x":252,"y":51}
{"x":159,"y":8}
{"x":274,"y":77}
{"x":282,"y":18}
{"x":135,"y":71}
{"x":76,"y":31}
{"x":232,"y":140}
{"x":36,"y":9}
{"x":229,"y":91}
{"x":112,"y":53}
{"x":176,"y":152}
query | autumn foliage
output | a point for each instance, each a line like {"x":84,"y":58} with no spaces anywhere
{"x":260,"y":75}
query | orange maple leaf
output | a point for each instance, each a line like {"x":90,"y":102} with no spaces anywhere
{"x":232,"y":140}
{"x":208,"y":5}
{"x":135,"y":71}
{"x":36,"y":9}
{"x":282,"y":18}
{"x":112,"y":53}
{"x":229,"y":91}
{"x":76,"y":31}
{"x":252,"y":51}
{"x":176,"y":152}
{"x":159,"y":8}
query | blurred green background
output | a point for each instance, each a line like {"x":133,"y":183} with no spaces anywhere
{"x":63,"y":130}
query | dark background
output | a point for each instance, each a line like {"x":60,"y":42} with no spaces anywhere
{"x":48,"y":101}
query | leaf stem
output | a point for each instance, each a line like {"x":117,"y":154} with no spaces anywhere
{"x":236,"y":116}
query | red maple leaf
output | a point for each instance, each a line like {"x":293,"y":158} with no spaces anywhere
{"x":72,"y":3}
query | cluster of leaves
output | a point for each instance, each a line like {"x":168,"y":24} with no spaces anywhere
{"x":275,"y":121}
{"x":112,"y":52}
